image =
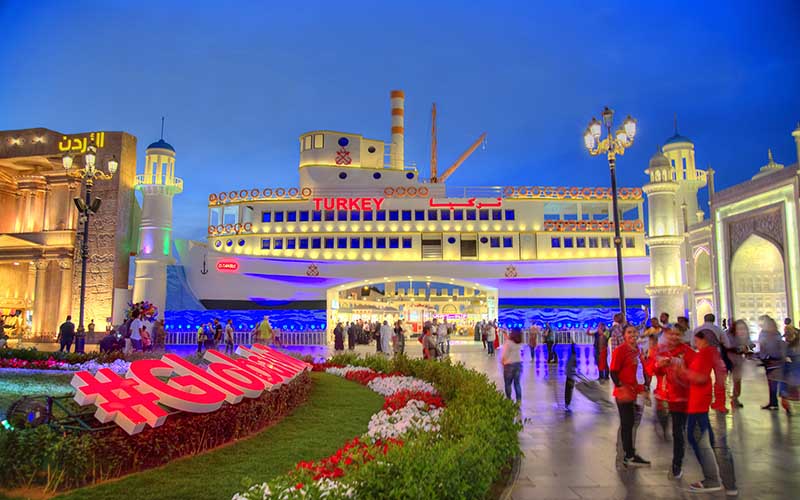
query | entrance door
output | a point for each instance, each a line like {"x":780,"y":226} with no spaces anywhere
{"x":758,"y":282}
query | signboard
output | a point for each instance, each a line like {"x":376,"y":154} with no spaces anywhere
{"x":144,"y":397}
{"x":227,"y":266}
{"x":79,"y":143}
{"x":358,"y":204}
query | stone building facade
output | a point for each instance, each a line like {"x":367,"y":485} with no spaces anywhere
{"x":40,"y":233}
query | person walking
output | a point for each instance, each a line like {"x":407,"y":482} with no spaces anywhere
{"x":229,"y":337}
{"x":66,"y":334}
{"x":491,"y":336}
{"x":533,"y":340}
{"x":572,"y":374}
{"x":600,"y":343}
{"x":550,"y":341}
{"x":201,"y":338}
{"x":512,"y":363}
{"x":400,"y":337}
{"x":772,"y":353}
{"x":351,"y":336}
{"x":159,"y":335}
{"x":385,"y":333}
{"x":624,"y":364}
{"x":667,"y":365}
{"x":136,"y":331}
{"x":698,"y":427}
{"x":217,"y":332}
{"x":338,"y":337}
{"x":736,"y":342}
{"x":617,"y":337}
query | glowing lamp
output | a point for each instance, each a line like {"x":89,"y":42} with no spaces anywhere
{"x":113,"y":165}
{"x":630,"y":127}
{"x":622,"y":137}
{"x":595,"y":128}
{"x":588,"y":139}
{"x":91,"y":156}
{"x":67,"y":160}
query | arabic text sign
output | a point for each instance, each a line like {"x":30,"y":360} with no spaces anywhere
{"x":143,"y":396}
{"x":470,"y":203}
{"x":81,"y":142}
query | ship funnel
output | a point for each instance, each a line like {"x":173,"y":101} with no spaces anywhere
{"x":397,"y":155}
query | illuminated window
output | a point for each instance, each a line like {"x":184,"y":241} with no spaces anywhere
{"x":278,"y":216}
{"x":580,"y":242}
{"x":471,"y":214}
{"x":380,"y":215}
{"x":406,"y":215}
{"x":318,"y":141}
{"x":303,"y":243}
{"x":291,"y":216}
{"x":341,"y":215}
{"x":433,"y":214}
{"x":406,"y":242}
{"x":394,"y":242}
{"x":328,"y":242}
{"x":316,"y":243}
{"x":484,"y":214}
{"x":555,"y":242}
{"x":458,"y":215}
{"x":494,"y":242}
{"x":265,"y":244}
{"x":445,"y":214}
{"x":307,"y":142}
{"x":630,"y":243}
{"x":341,"y":242}
{"x":290,"y":243}
{"x":394,"y":215}
{"x":355,"y":242}
{"x":367,"y":242}
{"x":355,"y":215}
{"x":316,"y":215}
{"x":368,"y":215}
{"x":497,"y":214}
{"x":303,"y":215}
{"x":605,"y":242}
{"x":510,"y":215}
{"x":568,"y":243}
{"x":277,"y":244}
{"x":266,"y":216}
{"x":380,"y":242}
{"x":329,"y":215}
{"x":508,"y":242}
{"x":419,"y":214}
{"x":592,"y":242}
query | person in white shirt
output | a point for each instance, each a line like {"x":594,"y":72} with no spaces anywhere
{"x":491,"y":335}
{"x":136,"y":331}
{"x":441,"y":338}
{"x":512,"y":363}
{"x":386,"y":339}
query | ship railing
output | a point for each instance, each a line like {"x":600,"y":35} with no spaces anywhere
{"x":474,"y":191}
{"x":289,"y":337}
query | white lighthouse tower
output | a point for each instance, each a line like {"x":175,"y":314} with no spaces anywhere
{"x":679,"y":151}
{"x":665,"y":238}
{"x":158,"y":185}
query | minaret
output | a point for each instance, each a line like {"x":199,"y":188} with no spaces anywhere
{"x":665,"y":238}
{"x":796,"y":135}
{"x":679,"y":151}
{"x":158,"y":185}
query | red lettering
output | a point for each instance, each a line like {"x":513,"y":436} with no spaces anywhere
{"x":378,"y":202}
{"x":331,"y":205}
{"x":366,"y":204}
{"x":179,"y":365}
{"x":273,"y":364}
{"x":299,"y":365}
{"x":185,"y":392}
{"x":341,"y":203}
{"x":317,"y":202}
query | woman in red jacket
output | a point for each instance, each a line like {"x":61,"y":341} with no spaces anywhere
{"x":624,"y":363}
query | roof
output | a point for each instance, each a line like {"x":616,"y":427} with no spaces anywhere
{"x":161,"y":144}
{"x":678,"y":138}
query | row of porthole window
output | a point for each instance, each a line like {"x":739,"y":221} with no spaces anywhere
{"x":340,"y":242}
{"x":375,"y":175}
{"x":583,"y":242}
{"x":383,"y":215}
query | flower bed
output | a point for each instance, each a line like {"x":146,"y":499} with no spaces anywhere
{"x":64,"y":459}
{"x":119,"y":366}
{"x":426,"y":449}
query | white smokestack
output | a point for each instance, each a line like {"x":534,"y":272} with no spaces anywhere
{"x":397,"y":155}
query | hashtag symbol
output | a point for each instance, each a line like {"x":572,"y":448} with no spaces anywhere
{"x":118,"y":399}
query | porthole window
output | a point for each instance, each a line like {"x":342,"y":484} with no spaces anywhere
{"x":376,"y":175}
{"x":451,"y":240}
{"x":484,"y":240}
{"x":343,"y":141}
{"x":410,"y":175}
{"x":343,"y":175}
{"x":371,"y":149}
{"x":229,"y":243}
{"x":241,"y":243}
{"x":218,"y":243}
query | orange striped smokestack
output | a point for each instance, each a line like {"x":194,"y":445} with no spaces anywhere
{"x":397,"y":155}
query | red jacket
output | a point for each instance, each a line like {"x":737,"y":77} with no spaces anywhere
{"x":699,"y":378}
{"x":671,"y":387}
{"x":624,"y":363}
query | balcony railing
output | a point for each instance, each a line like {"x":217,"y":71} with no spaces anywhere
{"x":176,"y":183}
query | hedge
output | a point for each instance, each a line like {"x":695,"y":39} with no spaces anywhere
{"x":58,"y":460}
{"x":477,"y":442}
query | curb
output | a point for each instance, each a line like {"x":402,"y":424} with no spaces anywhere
{"x":512,"y":480}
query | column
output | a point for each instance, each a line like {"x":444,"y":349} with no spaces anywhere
{"x":30,"y":289}
{"x":40,"y":300}
{"x":65,"y":295}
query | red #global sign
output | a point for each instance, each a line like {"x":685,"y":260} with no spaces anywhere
{"x":139,"y":398}
{"x":227,"y":266}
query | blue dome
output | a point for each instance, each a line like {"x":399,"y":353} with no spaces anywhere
{"x":161,"y":144}
{"x":678,"y":138}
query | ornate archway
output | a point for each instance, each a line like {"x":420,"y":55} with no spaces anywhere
{"x":758,"y":281}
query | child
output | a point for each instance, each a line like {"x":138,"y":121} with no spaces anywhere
{"x":512,"y":363}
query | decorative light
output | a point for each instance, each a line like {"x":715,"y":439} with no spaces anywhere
{"x":67,"y":160}
{"x":595,"y":128}
{"x":622,"y":137}
{"x":90,"y":157}
{"x":113,"y":165}
{"x":588,"y":139}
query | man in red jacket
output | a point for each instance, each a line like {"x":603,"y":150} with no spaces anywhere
{"x":624,"y":363}
{"x":669,"y":360}
{"x":701,"y":437}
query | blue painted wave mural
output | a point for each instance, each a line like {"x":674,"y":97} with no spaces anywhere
{"x":565,"y":318}
{"x":289,"y":320}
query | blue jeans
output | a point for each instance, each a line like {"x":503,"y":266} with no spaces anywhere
{"x":490,"y":345}
{"x":511,"y":373}
{"x":701,"y":438}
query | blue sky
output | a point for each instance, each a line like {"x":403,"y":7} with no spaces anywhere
{"x":240,"y":81}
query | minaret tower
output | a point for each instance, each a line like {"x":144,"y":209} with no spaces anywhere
{"x":679,"y":150}
{"x":158,"y":185}
{"x":665,"y":238}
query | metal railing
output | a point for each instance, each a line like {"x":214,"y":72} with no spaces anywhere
{"x":289,"y":338}
{"x":160,"y":180}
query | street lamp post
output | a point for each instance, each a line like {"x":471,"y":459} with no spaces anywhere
{"x":87,"y":207}
{"x":612,"y":145}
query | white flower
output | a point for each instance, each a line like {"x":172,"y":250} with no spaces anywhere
{"x":388,"y":386}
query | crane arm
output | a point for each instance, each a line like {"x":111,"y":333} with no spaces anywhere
{"x":461,"y":158}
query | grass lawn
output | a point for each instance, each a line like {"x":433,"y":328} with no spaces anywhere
{"x":13,"y":386}
{"x":336,"y":411}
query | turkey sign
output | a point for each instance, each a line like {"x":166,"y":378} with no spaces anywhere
{"x":149,"y":386}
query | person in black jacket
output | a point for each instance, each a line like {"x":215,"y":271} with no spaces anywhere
{"x":338,"y":337}
{"x":351,"y":336}
{"x":66,"y":334}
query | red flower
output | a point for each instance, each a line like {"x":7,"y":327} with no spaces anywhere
{"x":298,"y":486}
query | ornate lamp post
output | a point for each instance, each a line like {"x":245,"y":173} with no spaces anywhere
{"x":87,"y":206}
{"x":612,"y":145}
